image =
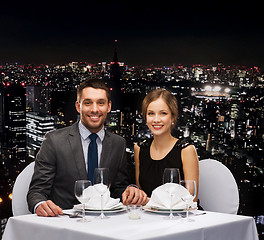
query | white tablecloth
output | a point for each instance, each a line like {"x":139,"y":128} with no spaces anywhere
{"x":211,"y":226}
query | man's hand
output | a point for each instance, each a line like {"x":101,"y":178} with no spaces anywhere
{"x":135,"y":196}
{"x":48,"y":209}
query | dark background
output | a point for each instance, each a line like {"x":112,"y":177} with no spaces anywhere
{"x":159,"y":33}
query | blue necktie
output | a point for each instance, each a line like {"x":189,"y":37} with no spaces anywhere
{"x":92,"y":156}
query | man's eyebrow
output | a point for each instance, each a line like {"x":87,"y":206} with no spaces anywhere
{"x":97,"y":100}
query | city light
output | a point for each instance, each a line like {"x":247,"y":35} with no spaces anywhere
{"x":10,"y":195}
{"x":227,"y":90}
{"x":208,"y":88}
{"x":217,"y":89}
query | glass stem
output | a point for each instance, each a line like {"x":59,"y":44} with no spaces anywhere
{"x":83,"y":211}
{"x":102,"y":213}
{"x":171,"y":215}
{"x":187,"y":213}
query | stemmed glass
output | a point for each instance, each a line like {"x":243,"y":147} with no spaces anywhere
{"x":190,"y":185}
{"x":101,"y":184}
{"x":171,"y":175}
{"x":80,"y":186}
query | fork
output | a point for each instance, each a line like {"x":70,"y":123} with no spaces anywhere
{"x":72,"y":215}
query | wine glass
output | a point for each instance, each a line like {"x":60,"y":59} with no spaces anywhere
{"x":171,"y":175}
{"x":101,"y":184}
{"x":190,"y":185}
{"x":80,"y":186}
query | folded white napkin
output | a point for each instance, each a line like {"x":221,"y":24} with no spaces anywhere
{"x":94,"y":194}
{"x":161,"y":197}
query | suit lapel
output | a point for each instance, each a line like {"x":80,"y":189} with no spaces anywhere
{"x":77,"y":151}
{"x":106,"y":151}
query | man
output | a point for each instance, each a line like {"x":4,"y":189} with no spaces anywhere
{"x":63,"y":157}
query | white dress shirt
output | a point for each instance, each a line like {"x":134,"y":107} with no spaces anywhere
{"x":85,"y":133}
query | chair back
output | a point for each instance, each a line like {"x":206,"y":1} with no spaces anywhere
{"x":218,"y":191}
{"x":20,"y":190}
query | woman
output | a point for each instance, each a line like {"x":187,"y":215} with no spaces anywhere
{"x":160,"y":111}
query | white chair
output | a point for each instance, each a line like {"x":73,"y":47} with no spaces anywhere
{"x":218,"y":191}
{"x":19,"y":194}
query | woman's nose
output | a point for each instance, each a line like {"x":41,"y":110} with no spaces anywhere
{"x":156,"y":119}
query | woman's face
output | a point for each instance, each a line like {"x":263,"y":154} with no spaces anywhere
{"x":159,"y":117}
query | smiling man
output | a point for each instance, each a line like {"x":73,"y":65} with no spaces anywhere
{"x":93,"y":104}
{"x":65,"y":155}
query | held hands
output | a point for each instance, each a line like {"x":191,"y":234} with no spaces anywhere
{"x":135,"y":196}
{"x":48,"y":209}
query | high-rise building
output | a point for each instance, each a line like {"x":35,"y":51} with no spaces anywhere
{"x":113,"y":122}
{"x":13,"y":121}
{"x":38,"y":99}
{"x":38,"y":124}
{"x":115,"y":81}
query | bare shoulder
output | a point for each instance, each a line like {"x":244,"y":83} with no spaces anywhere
{"x":189,"y":149}
{"x":136,"y":147}
{"x":189,"y":154}
{"x":136,"y":151}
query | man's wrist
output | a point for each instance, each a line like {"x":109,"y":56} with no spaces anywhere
{"x":36,"y":206}
{"x":132,"y":185}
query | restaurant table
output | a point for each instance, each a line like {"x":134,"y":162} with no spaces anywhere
{"x":209,"y":226}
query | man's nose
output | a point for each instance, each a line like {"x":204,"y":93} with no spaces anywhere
{"x":94,"y":108}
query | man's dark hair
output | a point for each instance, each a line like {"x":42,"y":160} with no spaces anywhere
{"x":93,"y":83}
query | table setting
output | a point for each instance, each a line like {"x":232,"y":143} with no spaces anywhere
{"x":93,"y":203}
{"x":173,"y":197}
{"x":160,"y":199}
{"x":171,"y":213}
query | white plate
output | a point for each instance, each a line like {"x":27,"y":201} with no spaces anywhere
{"x":163,"y":210}
{"x":118,"y":208}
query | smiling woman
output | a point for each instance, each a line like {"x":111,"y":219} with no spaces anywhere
{"x":160,"y":110}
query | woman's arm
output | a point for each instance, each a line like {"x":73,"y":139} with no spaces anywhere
{"x":190,"y":164}
{"x":136,"y":159}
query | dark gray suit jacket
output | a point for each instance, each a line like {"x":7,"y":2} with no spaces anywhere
{"x":60,"y":162}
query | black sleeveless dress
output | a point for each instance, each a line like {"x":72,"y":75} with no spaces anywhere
{"x":151,"y":171}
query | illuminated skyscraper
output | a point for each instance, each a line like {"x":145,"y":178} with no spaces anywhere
{"x":13,"y":121}
{"x":38,"y":124}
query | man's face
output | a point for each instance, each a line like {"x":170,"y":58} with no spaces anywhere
{"x":93,"y":107}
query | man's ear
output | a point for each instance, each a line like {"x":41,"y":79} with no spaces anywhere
{"x":78,"y":106}
{"x":109,"y":107}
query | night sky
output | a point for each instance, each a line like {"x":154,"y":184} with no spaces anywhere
{"x":159,"y":33}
